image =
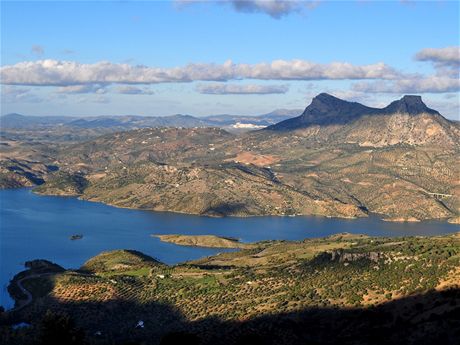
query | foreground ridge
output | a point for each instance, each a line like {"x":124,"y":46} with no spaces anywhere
{"x":406,"y":287}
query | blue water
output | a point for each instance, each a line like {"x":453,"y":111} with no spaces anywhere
{"x":39,"y":227}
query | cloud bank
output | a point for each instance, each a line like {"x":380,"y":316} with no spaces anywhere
{"x":432,"y":84}
{"x":88,"y":88}
{"x":440,"y":57}
{"x":237,"y":89}
{"x":133,"y":90}
{"x":66,"y":73}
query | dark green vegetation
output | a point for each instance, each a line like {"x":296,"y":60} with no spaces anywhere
{"x":64,"y":183}
{"x":348,"y":289}
{"x":338,"y":159}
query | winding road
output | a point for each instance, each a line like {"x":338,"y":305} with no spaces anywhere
{"x":23,"y":303}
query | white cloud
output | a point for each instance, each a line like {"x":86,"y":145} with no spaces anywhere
{"x":133,"y":90}
{"x":440,"y":57}
{"x":431,"y":84}
{"x":86,"y":88}
{"x":243,"y":89}
{"x":67,"y":73}
{"x":13,"y":94}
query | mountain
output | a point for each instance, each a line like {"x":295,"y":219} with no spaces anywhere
{"x":326,"y":109}
{"x":22,"y":121}
{"x":338,"y":159}
{"x":407,"y":121}
{"x":259,"y":120}
{"x":18,"y":121}
{"x":409,"y":104}
{"x":132,"y":122}
{"x":128,"y":122}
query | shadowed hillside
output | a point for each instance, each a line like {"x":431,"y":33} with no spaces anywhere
{"x":342,"y":289}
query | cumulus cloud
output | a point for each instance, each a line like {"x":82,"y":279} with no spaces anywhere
{"x":11,"y":90}
{"x":37,"y":50}
{"x":66,"y":73}
{"x":243,"y":89}
{"x":431,"y":84}
{"x":86,"y":88}
{"x":133,"y":90}
{"x":440,"y":57}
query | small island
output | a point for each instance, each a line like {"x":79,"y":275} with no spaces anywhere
{"x":209,"y":241}
{"x":76,"y":237}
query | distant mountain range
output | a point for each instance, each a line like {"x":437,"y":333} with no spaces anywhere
{"x":18,"y":121}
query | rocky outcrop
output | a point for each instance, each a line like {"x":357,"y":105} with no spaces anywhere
{"x":340,"y":255}
{"x":326,"y":109}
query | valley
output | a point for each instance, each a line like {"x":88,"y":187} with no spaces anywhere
{"x":231,"y":172}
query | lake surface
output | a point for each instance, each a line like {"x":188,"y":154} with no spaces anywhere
{"x":39,"y":227}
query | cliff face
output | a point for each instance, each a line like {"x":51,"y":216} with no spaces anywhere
{"x":341,"y":256}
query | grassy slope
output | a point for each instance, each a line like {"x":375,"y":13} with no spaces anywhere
{"x":210,"y":241}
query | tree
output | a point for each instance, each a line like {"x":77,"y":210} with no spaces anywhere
{"x":58,"y":329}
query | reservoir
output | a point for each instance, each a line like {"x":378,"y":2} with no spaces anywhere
{"x":40,"y":227}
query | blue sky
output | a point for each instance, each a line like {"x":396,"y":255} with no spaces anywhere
{"x":166,"y":57}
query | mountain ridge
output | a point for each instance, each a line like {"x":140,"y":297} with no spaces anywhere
{"x":19,"y":121}
{"x":326,"y":109}
{"x":394,"y":165}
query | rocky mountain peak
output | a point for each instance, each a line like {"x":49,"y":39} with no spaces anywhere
{"x":409,"y":104}
{"x":326,"y":109}
{"x":325,"y":102}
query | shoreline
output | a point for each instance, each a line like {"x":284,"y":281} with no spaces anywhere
{"x":380,"y":216}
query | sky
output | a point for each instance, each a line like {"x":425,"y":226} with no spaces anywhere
{"x":87,"y":58}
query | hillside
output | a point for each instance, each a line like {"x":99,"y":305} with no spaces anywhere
{"x":326,"y":109}
{"x":22,"y":123}
{"x":327,"y":290}
{"x":361,"y":160}
{"x":209,"y":241}
{"x":120,"y":262}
